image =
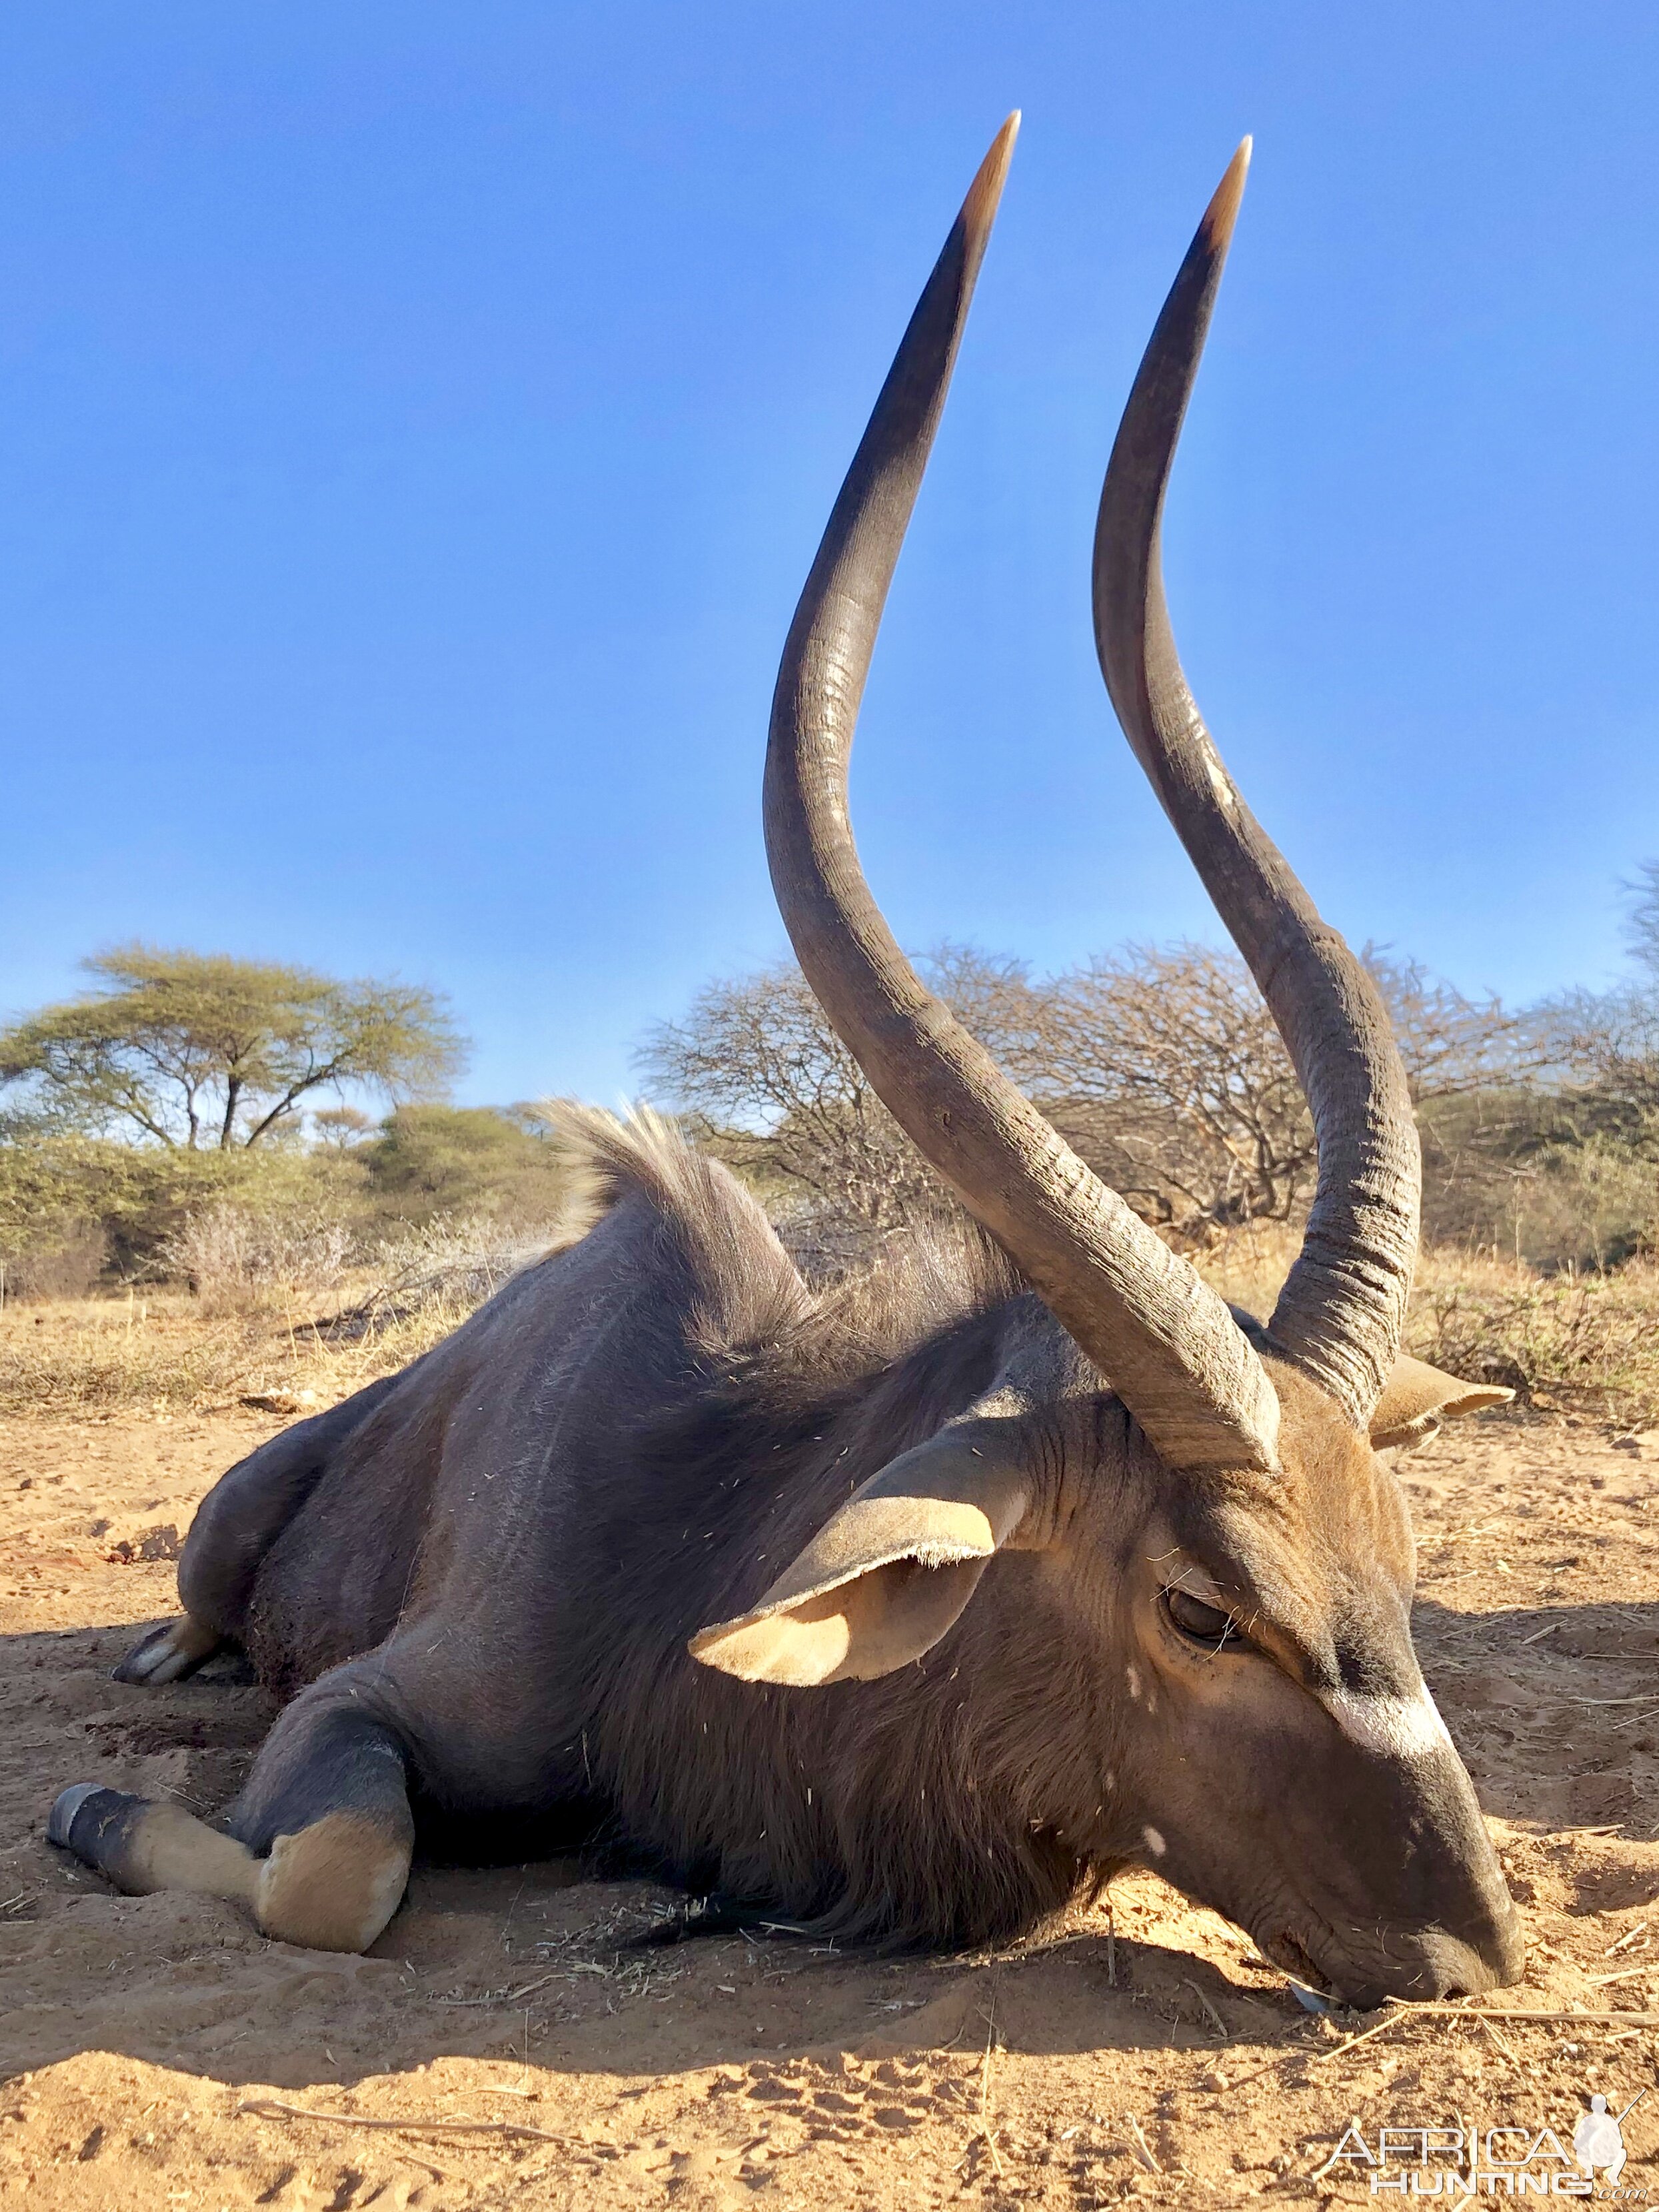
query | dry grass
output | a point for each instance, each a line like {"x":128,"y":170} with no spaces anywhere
{"x":259,"y":1330}
{"x":1581,"y":1343}
{"x":162,"y":1351}
{"x":1249,"y":1266}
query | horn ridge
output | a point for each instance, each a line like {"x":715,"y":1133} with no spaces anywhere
{"x":1340,"y":1313}
{"x":1166,"y":1342}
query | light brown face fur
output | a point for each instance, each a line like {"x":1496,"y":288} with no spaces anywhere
{"x":1293,"y":1770}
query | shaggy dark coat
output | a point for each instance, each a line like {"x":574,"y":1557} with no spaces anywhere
{"x":508,"y":1547}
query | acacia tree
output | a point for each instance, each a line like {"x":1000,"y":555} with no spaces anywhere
{"x":192,"y":1049}
{"x":1166,"y":1069}
{"x":1603,"y":1046}
{"x":1161,"y":1066}
{"x":781,"y":1099}
{"x":1453,"y":1045}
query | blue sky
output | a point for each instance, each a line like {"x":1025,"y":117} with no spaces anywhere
{"x":420,"y":420}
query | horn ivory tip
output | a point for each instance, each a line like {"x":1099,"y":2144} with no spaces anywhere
{"x":979,"y":208}
{"x":1216,"y":228}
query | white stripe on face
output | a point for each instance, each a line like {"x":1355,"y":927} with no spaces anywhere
{"x":1402,"y":1728}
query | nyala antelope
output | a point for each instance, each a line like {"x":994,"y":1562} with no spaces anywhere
{"x":909,"y":1607}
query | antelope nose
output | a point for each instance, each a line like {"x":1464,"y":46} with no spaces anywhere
{"x":1483,"y":1947}
{"x":1436,"y":1964}
{"x":1452,"y":1967}
{"x":1504,"y":1954}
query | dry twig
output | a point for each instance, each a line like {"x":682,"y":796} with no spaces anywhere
{"x":273,"y":2108}
{"x":1337,"y":2050}
{"x":1146,"y":2148}
{"x":1497,"y":2039}
{"x":1220,"y":2024}
{"x":1626,"y":1939}
{"x":1512,"y":2012}
{"x":983,"y":2131}
{"x":1319,"y":2172}
{"x":506,"y":1996}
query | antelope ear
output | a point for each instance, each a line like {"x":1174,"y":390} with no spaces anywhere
{"x":889,"y":1573}
{"x":1419,"y":1397}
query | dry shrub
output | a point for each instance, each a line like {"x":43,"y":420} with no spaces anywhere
{"x":234,"y":1258}
{"x":448,"y":1268}
{"x":65,"y":1266}
{"x":1499,"y":1174}
{"x":1580,"y":1342}
{"x":241,"y":1336}
{"x":163,"y":1354}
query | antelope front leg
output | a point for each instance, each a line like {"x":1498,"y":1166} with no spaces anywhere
{"x":319,"y":1842}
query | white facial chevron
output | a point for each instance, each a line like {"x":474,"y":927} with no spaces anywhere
{"x":1403,"y":1728}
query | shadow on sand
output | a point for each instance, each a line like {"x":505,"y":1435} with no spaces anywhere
{"x":1549,"y":1707}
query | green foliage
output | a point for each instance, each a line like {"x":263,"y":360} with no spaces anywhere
{"x":1535,"y":1176}
{"x":460,"y":1160}
{"x":72,"y":1207}
{"x":194,"y":1115}
{"x":188,"y":1050}
{"x":62,"y":1193}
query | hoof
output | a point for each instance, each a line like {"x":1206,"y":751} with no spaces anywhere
{"x":168,"y":1654}
{"x":60,"y":1821}
{"x":141,"y":1845}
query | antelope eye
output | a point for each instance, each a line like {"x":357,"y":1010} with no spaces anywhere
{"x":1198,"y":1622}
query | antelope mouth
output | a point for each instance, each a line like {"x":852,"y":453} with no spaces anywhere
{"x":1285,"y":1951}
{"x":1443,"y":1969}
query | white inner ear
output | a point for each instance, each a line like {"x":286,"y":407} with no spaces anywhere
{"x":889,"y":1570}
{"x":1405,"y":1436}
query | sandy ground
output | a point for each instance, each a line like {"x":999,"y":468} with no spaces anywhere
{"x":1137,"y":2050}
